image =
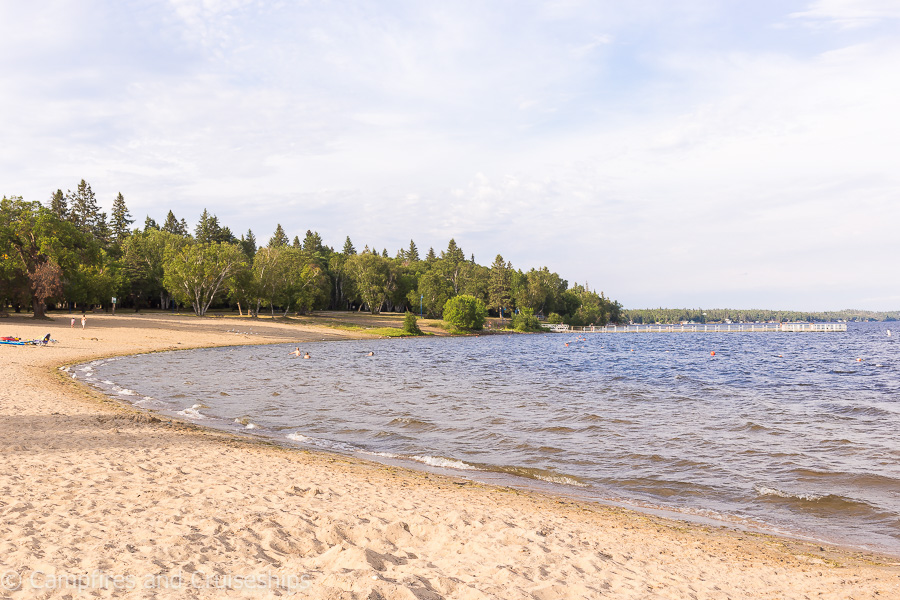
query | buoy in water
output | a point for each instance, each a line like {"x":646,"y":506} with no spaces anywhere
{"x":713,"y":353}
{"x":858,"y":360}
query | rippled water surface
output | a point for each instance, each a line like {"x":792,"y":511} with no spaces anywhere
{"x":789,"y":431}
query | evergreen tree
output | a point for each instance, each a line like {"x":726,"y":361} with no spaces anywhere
{"x":150,"y":224}
{"x":279,"y":239}
{"x":451,"y":263}
{"x":172,"y":225}
{"x":296,"y":242}
{"x":412,"y":255}
{"x":248,"y":243}
{"x":499,"y":287}
{"x":58,"y":205}
{"x":208,"y":229}
{"x":348,"y":250}
{"x":431,"y":257}
{"x":83,"y":210}
{"x":121,"y":219}
{"x":384,"y":253}
{"x":312,"y":242}
{"x":102,"y":230}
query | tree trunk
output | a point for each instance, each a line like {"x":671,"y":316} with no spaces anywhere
{"x":38,"y":307}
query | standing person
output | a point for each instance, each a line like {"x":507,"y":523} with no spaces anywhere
{"x":83,"y":321}
{"x":73,"y":322}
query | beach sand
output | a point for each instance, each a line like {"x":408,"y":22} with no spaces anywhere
{"x":98,"y":499}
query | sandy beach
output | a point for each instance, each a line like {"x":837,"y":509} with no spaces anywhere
{"x":98,"y":499}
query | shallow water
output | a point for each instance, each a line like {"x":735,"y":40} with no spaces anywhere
{"x":785,"y":431}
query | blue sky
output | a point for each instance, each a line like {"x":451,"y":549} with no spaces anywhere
{"x":697,"y":153}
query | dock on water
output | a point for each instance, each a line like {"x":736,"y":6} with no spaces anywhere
{"x":701,"y":328}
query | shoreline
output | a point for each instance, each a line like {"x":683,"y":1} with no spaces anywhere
{"x":384,"y":530}
{"x":481,"y":476}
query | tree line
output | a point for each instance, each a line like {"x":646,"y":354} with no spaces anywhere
{"x":731,"y":315}
{"x":69,"y":254}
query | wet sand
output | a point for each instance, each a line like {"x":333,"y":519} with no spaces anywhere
{"x":102,"y":499}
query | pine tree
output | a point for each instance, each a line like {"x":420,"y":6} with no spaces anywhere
{"x":296,"y":242}
{"x":279,"y":239}
{"x":83,"y":210}
{"x":412,"y":255}
{"x":430,"y":257}
{"x":101,"y":229}
{"x":312,"y":242}
{"x":208,"y":229}
{"x":384,"y":253}
{"x":58,"y":205}
{"x":348,"y":250}
{"x":121,"y":219}
{"x":173,"y":226}
{"x":150,"y":224}
{"x":248,"y":243}
{"x":499,"y":286}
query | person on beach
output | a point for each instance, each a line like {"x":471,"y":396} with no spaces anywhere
{"x":296,"y":352}
{"x":306,"y":355}
{"x":83,"y":321}
{"x":73,"y":322}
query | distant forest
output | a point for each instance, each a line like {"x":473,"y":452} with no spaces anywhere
{"x":67,"y":254}
{"x":725,"y":315}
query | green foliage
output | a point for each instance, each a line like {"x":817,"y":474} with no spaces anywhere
{"x":410,"y":324}
{"x":369,"y":273}
{"x":554,"y":318}
{"x":195,"y":272}
{"x":499,"y":284}
{"x":69,"y":252}
{"x":279,"y":238}
{"x":35,"y":245}
{"x":83,"y":210}
{"x":526,"y":321}
{"x":174,"y":226}
{"x":248,"y":244}
{"x":465,"y":312}
{"x":121,"y":219}
{"x":433,"y":292}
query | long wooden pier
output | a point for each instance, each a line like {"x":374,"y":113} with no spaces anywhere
{"x":702,"y":328}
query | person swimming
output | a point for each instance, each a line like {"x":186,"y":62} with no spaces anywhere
{"x":370,"y":354}
{"x":296,"y":352}
{"x":307,"y":355}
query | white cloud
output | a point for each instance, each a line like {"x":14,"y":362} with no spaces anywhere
{"x":849,"y":13}
{"x":666,"y":154}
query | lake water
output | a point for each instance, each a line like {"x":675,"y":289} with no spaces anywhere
{"x":791,"y":432}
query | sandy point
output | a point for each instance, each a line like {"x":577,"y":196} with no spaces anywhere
{"x":101,"y":499}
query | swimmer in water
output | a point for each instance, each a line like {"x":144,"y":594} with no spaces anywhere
{"x":370,"y":354}
{"x":296,"y":352}
{"x":306,"y":355}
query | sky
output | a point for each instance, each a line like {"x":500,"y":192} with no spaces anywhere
{"x":697,"y":153}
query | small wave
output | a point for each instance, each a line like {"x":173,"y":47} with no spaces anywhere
{"x":826,"y":505}
{"x":320,"y":443}
{"x":125,"y":392}
{"x":449,"y":463}
{"x":558,"y":429}
{"x":769,"y":491}
{"x":382,"y":454}
{"x":538,"y":474}
{"x":107,"y":382}
{"x":411,"y":423}
{"x":193,"y":412}
{"x":251,"y":426}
